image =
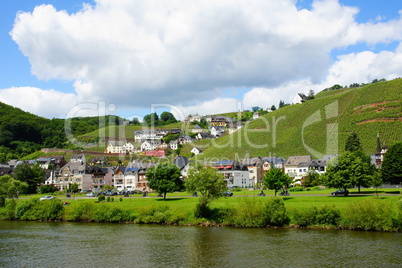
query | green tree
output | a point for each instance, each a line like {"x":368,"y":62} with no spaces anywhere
{"x":311,"y":179}
{"x":310,"y":95}
{"x":348,"y":170}
{"x":391,"y":169}
{"x":273,"y":108}
{"x":74,"y":188}
{"x":164,"y":178}
{"x":32,"y":175}
{"x":151,"y":119}
{"x":276,"y":179}
{"x":353,"y":143}
{"x":376,"y":181}
{"x":207,"y":182}
{"x":10,"y":187}
{"x":168,"y":118}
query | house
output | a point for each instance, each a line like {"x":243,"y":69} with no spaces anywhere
{"x":162,"y":146}
{"x":97,"y":161}
{"x":78,"y":158}
{"x":254,"y":166}
{"x":299,"y":98}
{"x":184,"y":139}
{"x":255,"y":109}
{"x":72,"y":172}
{"x":235,"y":174}
{"x":196,"y":150}
{"x":234,"y":126}
{"x":217,"y":131}
{"x":196,"y":129}
{"x":141,"y":172}
{"x":101,"y":177}
{"x":149,"y":134}
{"x":114,"y":147}
{"x":119,"y":178}
{"x":183,"y":164}
{"x":175,"y":130}
{"x":203,"y":136}
{"x":192,"y":118}
{"x":272,"y":162}
{"x":150,"y":145}
{"x":256,"y":115}
{"x":297,"y":166}
{"x":173,"y":145}
{"x":130,"y":178}
{"x":221,"y":121}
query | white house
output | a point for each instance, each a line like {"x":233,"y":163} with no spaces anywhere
{"x":217,"y":131}
{"x":235,"y":174}
{"x":150,"y":145}
{"x":299,"y":98}
{"x":173,"y":145}
{"x":196,"y":150}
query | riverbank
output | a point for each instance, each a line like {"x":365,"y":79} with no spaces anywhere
{"x":357,"y":212}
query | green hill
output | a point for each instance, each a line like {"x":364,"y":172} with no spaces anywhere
{"x":305,"y":128}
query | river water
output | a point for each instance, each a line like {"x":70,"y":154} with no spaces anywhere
{"x":50,"y":244}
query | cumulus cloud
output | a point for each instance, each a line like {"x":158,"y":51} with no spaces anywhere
{"x":135,"y":53}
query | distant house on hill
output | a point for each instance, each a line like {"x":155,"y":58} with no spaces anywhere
{"x":196,"y":150}
{"x":299,"y":98}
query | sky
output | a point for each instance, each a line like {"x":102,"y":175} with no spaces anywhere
{"x":65,"y":58}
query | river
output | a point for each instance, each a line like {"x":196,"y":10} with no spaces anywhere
{"x":60,"y":244}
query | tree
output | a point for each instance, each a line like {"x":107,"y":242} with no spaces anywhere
{"x":376,"y":181}
{"x":168,"y":118}
{"x":353,"y":143}
{"x":348,"y":170}
{"x":310,"y":95}
{"x":74,"y":188}
{"x":276,"y":179}
{"x":32,"y":175}
{"x":10,"y":187}
{"x":273,"y":108}
{"x":151,"y":119}
{"x":311,"y":179}
{"x":391,"y":169}
{"x":207,"y":182}
{"x":164,"y":178}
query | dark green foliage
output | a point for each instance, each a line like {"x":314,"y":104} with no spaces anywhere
{"x":2,"y":201}
{"x":259,"y":213}
{"x":101,"y":198}
{"x":32,"y":175}
{"x":33,"y":209}
{"x":83,"y":212}
{"x":370,"y":215}
{"x":353,"y":143}
{"x":9,"y":211}
{"x":349,"y":169}
{"x":155,"y":214}
{"x":164,"y":178}
{"x":168,"y":118}
{"x":296,"y":189}
{"x":312,"y":216}
{"x":391,"y":169}
{"x":276,"y":179}
{"x":47,"y":189}
{"x":105,"y":213}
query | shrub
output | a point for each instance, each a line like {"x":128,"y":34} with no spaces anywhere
{"x":258,"y":213}
{"x":9,"y":211}
{"x":316,"y":188}
{"x":101,"y":198}
{"x":104,"y":213}
{"x":121,"y":199}
{"x":2,"y":201}
{"x":108,"y":199}
{"x":296,"y":189}
{"x":328,"y":215}
{"x":237,"y":189}
{"x":82,"y":212}
{"x":34,"y":209}
{"x":275,"y":213}
{"x":311,"y":216}
{"x":154,"y":214}
{"x":370,"y":214}
{"x":304,"y":217}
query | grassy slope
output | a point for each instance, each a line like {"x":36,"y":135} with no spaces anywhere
{"x":367,"y":110}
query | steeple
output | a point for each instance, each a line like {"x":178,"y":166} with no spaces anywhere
{"x":378,"y":151}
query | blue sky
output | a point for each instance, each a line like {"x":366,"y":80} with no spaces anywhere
{"x":203,"y":58}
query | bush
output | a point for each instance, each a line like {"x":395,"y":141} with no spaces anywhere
{"x":237,"y":189}
{"x":105,"y":213}
{"x":2,"y":201}
{"x":296,"y":189}
{"x":101,"y":198}
{"x":370,"y":215}
{"x":311,"y":216}
{"x":34,"y":209}
{"x":275,"y":213}
{"x":108,"y":199}
{"x":259,"y":213}
{"x":82,"y":212}
{"x":154,"y":214}
{"x":9,"y":211}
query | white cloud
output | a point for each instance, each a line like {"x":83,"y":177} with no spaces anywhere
{"x":135,"y":53}
{"x":45,"y":103}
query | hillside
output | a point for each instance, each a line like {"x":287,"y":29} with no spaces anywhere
{"x":302,"y":128}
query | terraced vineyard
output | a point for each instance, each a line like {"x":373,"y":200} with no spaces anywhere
{"x":318,"y":126}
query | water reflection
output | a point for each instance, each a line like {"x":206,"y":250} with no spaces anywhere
{"x":33,"y":244}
